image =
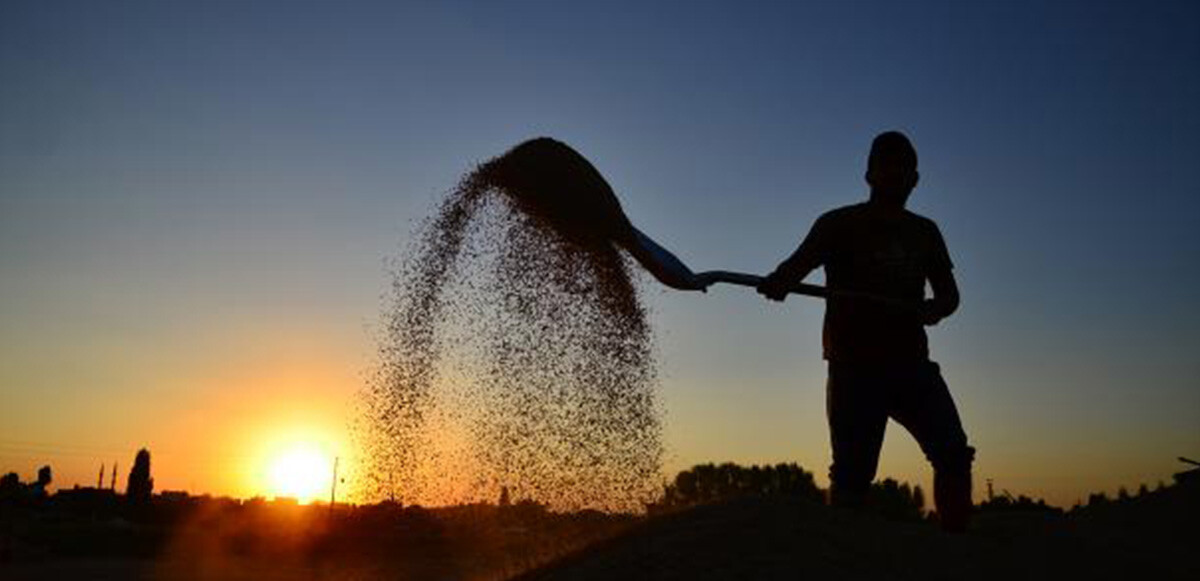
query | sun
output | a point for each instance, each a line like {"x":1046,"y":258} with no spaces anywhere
{"x":301,"y":472}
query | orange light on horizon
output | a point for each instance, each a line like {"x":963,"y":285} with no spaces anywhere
{"x":293,"y":458}
{"x":302,"y":471}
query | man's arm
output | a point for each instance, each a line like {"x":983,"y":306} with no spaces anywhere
{"x":945,"y":297}
{"x":941,"y":280}
{"x":792,"y":270}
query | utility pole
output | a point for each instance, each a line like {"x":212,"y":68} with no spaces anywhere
{"x":113,"y":483}
{"x":100,"y":480}
{"x":333,"y":486}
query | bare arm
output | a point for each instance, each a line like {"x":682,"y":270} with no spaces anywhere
{"x":792,"y":270}
{"x":945,"y":297}
{"x":797,"y":266}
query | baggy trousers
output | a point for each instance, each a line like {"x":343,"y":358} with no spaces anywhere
{"x":859,"y":400}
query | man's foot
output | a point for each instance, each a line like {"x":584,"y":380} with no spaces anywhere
{"x":952,"y":494}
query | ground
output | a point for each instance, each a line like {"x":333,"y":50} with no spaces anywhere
{"x":1153,"y":536}
{"x":1149,"y":538}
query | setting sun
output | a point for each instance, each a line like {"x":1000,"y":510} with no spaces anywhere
{"x":301,"y":472}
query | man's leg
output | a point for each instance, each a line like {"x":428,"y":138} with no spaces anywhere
{"x":922,"y":404}
{"x":855,"y":406}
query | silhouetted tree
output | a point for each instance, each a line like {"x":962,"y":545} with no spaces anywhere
{"x":140,"y":484}
{"x":527,"y":511}
{"x":10,"y":486}
{"x":37,"y":489}
{"x":1022,"y":503}
{"x":708,"y":483}
{"x":896,"y":500}
{"x":12,"y":489}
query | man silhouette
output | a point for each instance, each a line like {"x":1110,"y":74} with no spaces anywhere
{"x":877,"y":351}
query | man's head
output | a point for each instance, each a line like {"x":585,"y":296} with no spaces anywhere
{"x":892,"y":167}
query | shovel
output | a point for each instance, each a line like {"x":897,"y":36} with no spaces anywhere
{"x":548,"y":179}
{"x":671,"y":271}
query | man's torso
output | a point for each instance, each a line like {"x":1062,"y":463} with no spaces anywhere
{"x":885,"y":254}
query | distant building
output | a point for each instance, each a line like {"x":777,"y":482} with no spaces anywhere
{"x":174,"y":496}
{"x":86,"y":500}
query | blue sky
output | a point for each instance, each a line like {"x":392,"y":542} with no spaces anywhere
{"x":197,"y":199}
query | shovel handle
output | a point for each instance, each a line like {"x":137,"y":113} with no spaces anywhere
{"x":812,"y":290}
{"x":753,"y":280}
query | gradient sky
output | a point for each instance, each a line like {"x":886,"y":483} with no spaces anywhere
{"x":198,"y":202}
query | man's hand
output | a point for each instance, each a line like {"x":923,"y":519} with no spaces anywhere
{"x":929,"y":313}
{"x":811,"y":254}
{"x":702,"y":280}
{"x":774,"y":286}
{"x":944,"y":301}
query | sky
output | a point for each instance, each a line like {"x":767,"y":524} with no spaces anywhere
{"x":199,"y":202}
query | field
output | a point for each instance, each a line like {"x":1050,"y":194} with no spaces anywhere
{"x":1150,"y":537}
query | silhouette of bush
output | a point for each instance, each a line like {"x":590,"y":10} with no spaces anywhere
{"x":10,"y":486}
{"x":27,"y":495}
{"x":895,"y":500}
{"x":526,"y":510}
{"x":140,"y":485}
{"x":1101,"y":499}
{"x":1007,"y":503}
{"x":709,"y":483}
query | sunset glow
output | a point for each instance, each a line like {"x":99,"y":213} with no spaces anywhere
{"x":302,"y":472}
{"x":202,"y":207}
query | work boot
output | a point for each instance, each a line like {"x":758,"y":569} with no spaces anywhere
{"x":952,"y":495}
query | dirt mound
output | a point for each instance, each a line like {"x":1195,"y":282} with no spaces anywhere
{"x":777,"y":538}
